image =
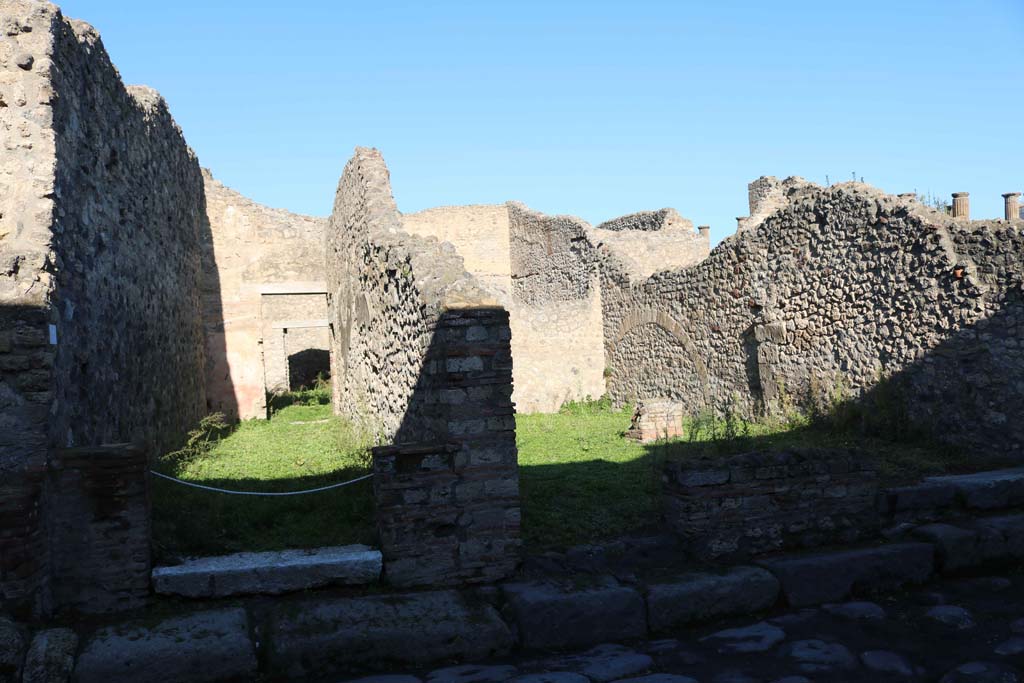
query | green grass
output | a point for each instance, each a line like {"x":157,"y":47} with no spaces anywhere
{"x":268,"y":455}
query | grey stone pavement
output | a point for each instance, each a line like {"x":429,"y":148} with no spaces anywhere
{"x":967,"y":630}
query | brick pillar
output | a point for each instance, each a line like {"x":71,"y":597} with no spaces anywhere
{"x":100,"y":527}
{"x":24,"y":558}
{"x":961,"y":205}
{"x":1011,"y":205}
{"x":448,"y":513}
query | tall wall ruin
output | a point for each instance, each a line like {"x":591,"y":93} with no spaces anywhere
{"x":264,"y":299}
{"x":846,"y":284}
{"x":101,"y":224}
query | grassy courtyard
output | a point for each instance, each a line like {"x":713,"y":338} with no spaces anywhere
{"x":580,"y":479}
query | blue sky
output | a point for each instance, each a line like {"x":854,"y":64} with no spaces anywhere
{"x":591,"y":108}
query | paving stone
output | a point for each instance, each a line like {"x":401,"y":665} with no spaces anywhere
{"x":1010,"y":529}
{"x":735,"y":677}
{"x":792,"y":679}
{"x":269,"y":573}
{"x":1010,"y":646}
{"x":51,"y":656}
{"x":813,"y":656}
{"x":952,"y":616}
{"x":12,"y":651}
{"x":321,"y":636}
{"x":698,"y":597}
{"x":858,"y":611}
{"x":658,"y":678}
{"x":386,"y":679}
{"x":553,"y":677}
{"x":607,"y":663}
{"x":755,"y":638}
{"x":662,"y":646}
{"x":887,"y":662}
{"x":987,"y":490}
{"x":550,"y":615}
{"x":816,"y":578}
{"x":1017,"y":626}
{"x":471,"y":673}
{"x":794,"y":618}
{"x":204,"y":646}
{"x":983,"y":672}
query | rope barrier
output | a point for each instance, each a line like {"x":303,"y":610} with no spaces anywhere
{"x":258,"y":493}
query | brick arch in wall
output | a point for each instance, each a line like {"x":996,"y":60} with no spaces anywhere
{"x":652,"y":316}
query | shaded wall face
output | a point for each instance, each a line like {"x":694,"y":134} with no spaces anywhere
{"x":846,"y":285}
{"x":257,"y":256}
{"x":293,"y":326}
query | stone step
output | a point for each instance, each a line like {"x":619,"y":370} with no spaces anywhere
{"x":698,"y":597}
{"x":987,"y":490}
{"x":816,"y":578}
{"x":269,"y":573}
{"x":318,"y":637}
{"x":201,"y":647}
{"x":972,"y":543}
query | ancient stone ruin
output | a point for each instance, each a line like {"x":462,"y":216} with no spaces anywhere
{"x":138,"y":294}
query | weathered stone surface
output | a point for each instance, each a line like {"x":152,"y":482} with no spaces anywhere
{"x":860,"y":611}
{"x":1010,"y":646}
{"x":12,"y":651}
{"x":884,"y":661}
{"x":697,"y":597}
{"x":471,"y":673}
{"x":553,"y":677}
{"x":204,"y":646}
{"x":957,"y":548}
{"x":269,"y":572}
{"x":829,"y":577}
{"x":983,"y":672}
{"x":399,"y":678}
{"x":814,"y":655}
{"x":951,"y":615}
{"x":51,"y":656}
{"x":323,"y":636}
{"x":606,"y":663}
{"x":552,"y":616}
{"x":659,"y":678}
{"x":755,"y":638}
{"x":987,"y":490}
{"x":919,"y":500}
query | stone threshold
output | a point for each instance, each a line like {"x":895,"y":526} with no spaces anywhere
{"x":269,"y":573}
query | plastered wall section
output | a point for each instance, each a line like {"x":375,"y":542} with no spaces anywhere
{"x":254,"y":251}
{"x":480,"y":234}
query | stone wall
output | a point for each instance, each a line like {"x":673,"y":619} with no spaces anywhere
{"x":762,"y":502}
{"x":556,"y":310}
{"x":662,"y":219}
{"x":258,"y":265}
{"x":644,"y":250}
{"x":101,"y":225}
{"x":480,"y":233}
{"x":843,"y":284}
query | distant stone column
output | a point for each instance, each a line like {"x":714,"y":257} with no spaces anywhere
{"x":740,"y":220}
{"x":961,"y":205}
{"x":705,"y":231}
{"x":1011,"y":205}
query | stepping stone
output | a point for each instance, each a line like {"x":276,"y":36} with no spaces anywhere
{"x":951,"y":615}
{"x":756,"y":638}
{"x":201,"y":647}
{"x":794,"y":618}
{"x":51,"y":656}
{"x":659,"y":678}
{"x":607,"y":663}
{"x":983,"y":672}
{"x":816,"y":578}
{"x":857,"y":611}
{"x":470,"y":673}
{"x":552,"y":616}
{"x":887,"y":662}
{"x":699,"y":596}
{"x":814,"y":656}
{"x":1011,"y":646}
{"x":553,"y":677}
{"x":321,"y":636}
{"x":270,"y":573}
